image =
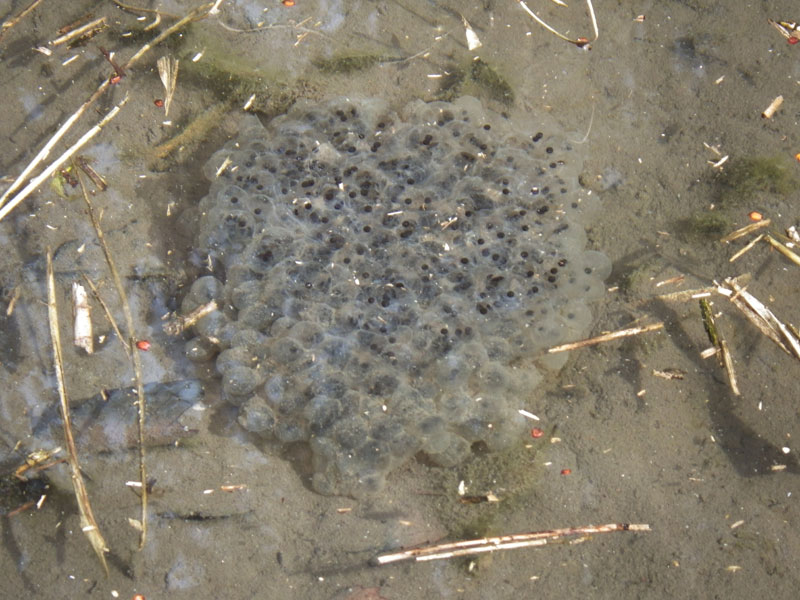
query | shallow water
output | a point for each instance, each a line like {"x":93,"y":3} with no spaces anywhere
{"x":684,"y":455}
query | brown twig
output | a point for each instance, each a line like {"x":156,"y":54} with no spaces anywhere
{"x":88,"y":523}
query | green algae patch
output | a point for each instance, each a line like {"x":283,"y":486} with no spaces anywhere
{"x":748,"y":178}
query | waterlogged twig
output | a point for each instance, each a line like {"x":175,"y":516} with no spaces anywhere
{"x":88,"y":523}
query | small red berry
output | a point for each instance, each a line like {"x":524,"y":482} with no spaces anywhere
{"x":158,"y":102}
{"x":566,"y":471}
{"x":143,"y":345}
{"x":536,"y":432}
{"x":793,"y":40}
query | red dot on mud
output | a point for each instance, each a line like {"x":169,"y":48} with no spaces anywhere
{"x":143,"y":345}
{"x":536,"y":432}
{"x":793,"y":40}
{"x":566,"y":471}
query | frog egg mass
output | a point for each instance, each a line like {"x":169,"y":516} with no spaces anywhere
{"x":391,"y":282}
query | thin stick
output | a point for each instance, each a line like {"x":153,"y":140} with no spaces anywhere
{"x":13,"y":21}
{"x":606,"y":337}
{"x":76,"y":33}
{"x":747,"y":248}
{"x":88,"y":523}
{"x":504,"y":542}
{"x":38,"y":180}
{"x":179,"y":323}
{"x":130,"y":341}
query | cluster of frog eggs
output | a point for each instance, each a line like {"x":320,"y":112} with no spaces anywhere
{"x":388,"y":282}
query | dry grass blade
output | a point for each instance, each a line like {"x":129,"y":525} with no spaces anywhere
{"x":130,"y":342}
{"x":168,"y":72}
{"x":88,"y":523}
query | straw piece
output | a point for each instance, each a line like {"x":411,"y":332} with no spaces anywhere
{"x":763,"y":318}
{"x":606,"y":337}
{"x":88,"y":523}
{"x":783,"y":249}
{"x":504,"y":542}
{"x":82,"y":325}
{"x":742,"y":231}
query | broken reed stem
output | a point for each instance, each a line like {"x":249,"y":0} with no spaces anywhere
{"x":130,"y":342}
{"x":76,"y":33}
{"x":88,"y":523}
{"x":196,"y":14}
{"x":179,"y":323}
{"x":783,"y":249}
{"x":503,"y":542}
{"x":606,"y":337}
{"x":742,"y":231}
{"x":763,"y":318}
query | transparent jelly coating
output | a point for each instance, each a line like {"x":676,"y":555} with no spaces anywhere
{"x":390,"y":282}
